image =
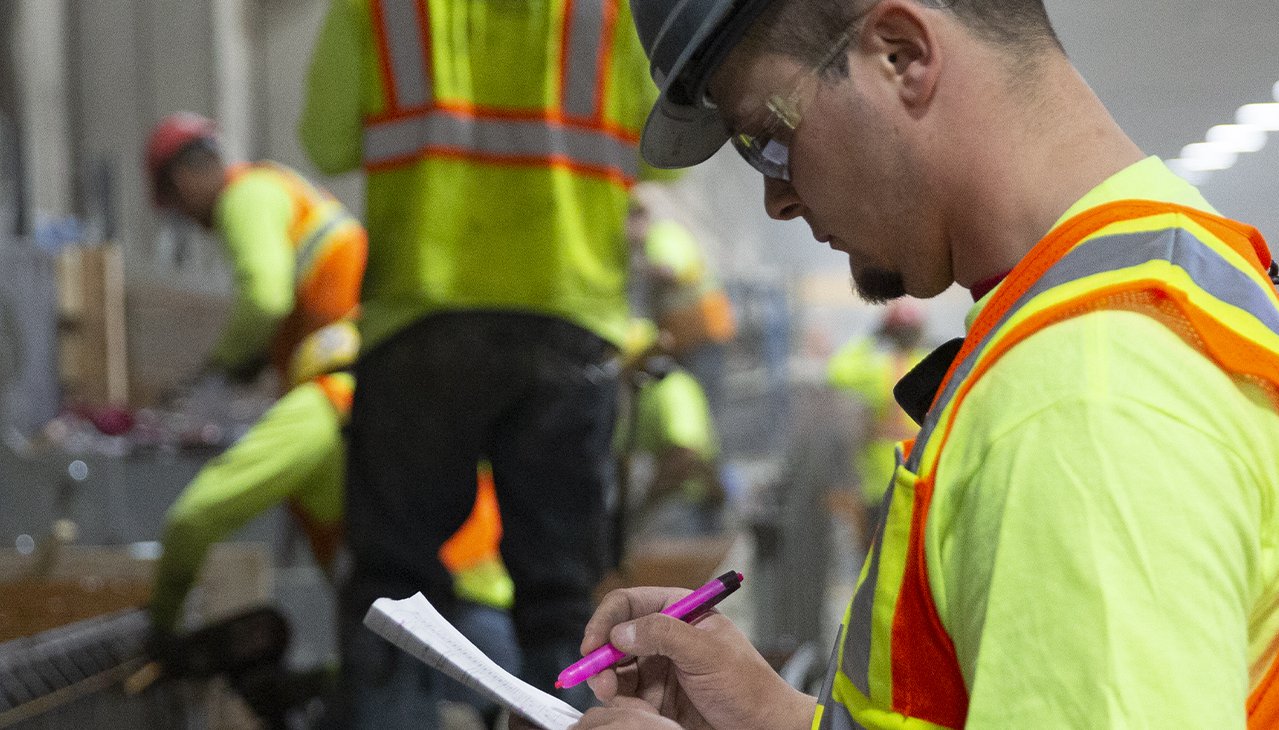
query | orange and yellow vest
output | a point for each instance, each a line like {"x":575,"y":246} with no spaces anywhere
{"x":1159,"y":259}
{"x":329,"y":248}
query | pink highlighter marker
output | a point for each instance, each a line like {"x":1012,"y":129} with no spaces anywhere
{"x":688,"y":609}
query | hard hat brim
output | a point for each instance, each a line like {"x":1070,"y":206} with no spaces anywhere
{"x":679,"y":135}
{"x":688,"y":132}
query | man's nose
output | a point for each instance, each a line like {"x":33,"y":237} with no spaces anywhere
{"x":781,"y":201}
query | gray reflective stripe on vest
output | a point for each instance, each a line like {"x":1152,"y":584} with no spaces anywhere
{"x":307,"y":252}
{"x":835,"y":717}
{"x":402,"y":29}
{"x":583,"y":65}
{"x":442,"y":130}
{"x":857,"y":639}
{"x":1178,"y":246}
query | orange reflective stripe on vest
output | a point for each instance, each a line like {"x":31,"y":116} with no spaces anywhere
{"x":572,"y":134}
{"x":330,"y":250}
{"x":893,"y":612}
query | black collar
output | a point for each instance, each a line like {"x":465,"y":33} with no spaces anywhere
{"x":917,"y":389}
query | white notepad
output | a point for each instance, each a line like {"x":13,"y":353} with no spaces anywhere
{"x":415,"y":626}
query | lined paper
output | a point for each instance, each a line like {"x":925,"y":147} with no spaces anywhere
{"x":415,"y":626}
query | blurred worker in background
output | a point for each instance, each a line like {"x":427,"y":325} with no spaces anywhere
{"x":677,"y":289}
{"x":670,"y":421}
{"x":297,"y":258}
{"x":868,"y":368}
{"x":1081,"y":533}
{"x":499,"y":142}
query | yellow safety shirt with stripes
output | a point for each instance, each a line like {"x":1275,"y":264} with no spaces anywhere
{"x":1095,"y":545}
{"x":499,"y":141}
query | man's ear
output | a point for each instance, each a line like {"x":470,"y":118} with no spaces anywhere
{"x":900,"y":37}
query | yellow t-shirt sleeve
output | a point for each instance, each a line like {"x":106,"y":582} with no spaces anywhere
{"x":859,"y":368}
{"x":253,"y":217}
{"x":1095,"y":546}
{"x":330,"y":126}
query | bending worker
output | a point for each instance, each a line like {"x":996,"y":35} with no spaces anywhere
{"x":499,"y":144}
{"x":1081,"y":534}
{"x":669,"y":419}
{"x":297,"y":257}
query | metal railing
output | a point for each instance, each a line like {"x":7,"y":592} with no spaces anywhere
{"x":73,"y":677}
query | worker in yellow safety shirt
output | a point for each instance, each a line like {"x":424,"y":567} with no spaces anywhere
{"x":677,"y":289}
{"x":498,"y":142}
{"x":868,"y":368}
{"x":297,"y":258}
{"x":669,"y":419}
{"x":1081,"y":533}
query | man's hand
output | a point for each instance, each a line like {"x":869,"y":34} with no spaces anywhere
{"x":705,"y":675}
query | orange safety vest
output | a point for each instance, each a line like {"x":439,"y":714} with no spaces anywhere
{"x":572,"y":133}
{"x":892,"y":612}
{"x":477,"y":540}
{"x":330,"y":249}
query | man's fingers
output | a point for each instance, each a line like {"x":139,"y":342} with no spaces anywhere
{"x":605,"y":685}
{"x":693,"y":648}
{"x":623,"y":605}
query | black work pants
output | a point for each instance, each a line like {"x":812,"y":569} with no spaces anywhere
{"x":537,"y":397}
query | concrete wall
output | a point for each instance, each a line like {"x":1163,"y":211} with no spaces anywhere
{"x":92,"y":77}
{"x":39,"y":48}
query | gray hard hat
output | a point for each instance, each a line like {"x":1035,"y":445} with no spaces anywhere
{"x":686,"y":40}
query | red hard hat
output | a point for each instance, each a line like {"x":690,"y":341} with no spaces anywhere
{"x":172,"y":135}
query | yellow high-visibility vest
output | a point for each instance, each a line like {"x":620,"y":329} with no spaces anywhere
{"x":499,"y":140}
{"x":896,"y":665}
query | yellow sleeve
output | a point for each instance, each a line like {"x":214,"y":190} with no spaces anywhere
{"x":1096,"y":546}
{"x":674,"y":411}
{"x":253,"y":217}
{"x":330,"y":127}
{"x":859,"y":368}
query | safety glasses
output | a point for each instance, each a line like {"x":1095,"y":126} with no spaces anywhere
{"x":766,"y":151}
{"x":769,"y":150}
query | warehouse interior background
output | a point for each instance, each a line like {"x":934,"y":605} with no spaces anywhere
{"x":104,"y":301}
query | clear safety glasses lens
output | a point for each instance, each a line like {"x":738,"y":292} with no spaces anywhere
{"x":764,"y":153}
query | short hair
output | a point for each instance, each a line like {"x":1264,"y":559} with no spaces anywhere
{"x":805,"y":29}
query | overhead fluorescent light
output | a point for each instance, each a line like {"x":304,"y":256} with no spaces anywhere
{"x":1207,"y":156}
{"x":1265,"y":116}
{"x":1237,"y":137}
{"x":1225,"y":142}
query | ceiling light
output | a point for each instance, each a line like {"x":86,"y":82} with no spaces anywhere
{"x":1205,"y":156}
{"x":1238,"y":137}
{"x":1265,"y":116}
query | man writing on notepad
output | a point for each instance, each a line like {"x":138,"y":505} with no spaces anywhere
{"x":1081,"y":534}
